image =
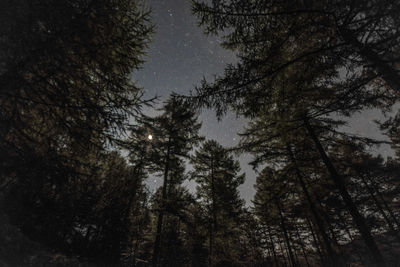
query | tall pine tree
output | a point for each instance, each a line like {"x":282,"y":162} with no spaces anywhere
{"x":164,"y":141}
{"x":218,"y":178}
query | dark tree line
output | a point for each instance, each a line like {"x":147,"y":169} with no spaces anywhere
{"x":304,"y":68}
{"x":76,"y":148}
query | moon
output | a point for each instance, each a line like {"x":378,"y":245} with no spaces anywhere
{"x":150,"y":137}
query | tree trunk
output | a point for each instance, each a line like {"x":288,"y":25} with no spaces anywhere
{"x":313,"y":209}
{"x":157,"y":243}
{"x":272,"y":246}
{"x":282,"y":250}
{"x":213,"y":216}
{"x":302,"y":246}
{"x":348,"y":232}
{"x":321,"y":257}
{"x":296,"y":256}
{"x":378,"y":205}
{"x":340,"y":184}
{"x":389,"y":210}
{"x":285,"y":234}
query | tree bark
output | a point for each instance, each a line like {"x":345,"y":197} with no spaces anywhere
{"x":347,"y":230}
{"x":157,"y":243}
{"x":321,"y":257}
{"x":272,"y":246}
{"x":389,"y":210}
{"x":213,"y":217}
{"x":285,"y":234}
{"x":313,"y":209}
{"x":340,"y":184}
{"x":302,"y":246}
{"x":379,"y":206}
{"x":282,"y":250}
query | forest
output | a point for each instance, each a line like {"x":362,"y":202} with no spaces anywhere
{"x":77,"y":145}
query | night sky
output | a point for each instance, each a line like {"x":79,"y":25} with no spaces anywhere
{"x":181,"y":55}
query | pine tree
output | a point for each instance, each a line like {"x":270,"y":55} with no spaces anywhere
{"x":284,"y":76}
{"x":66,"y":95}
{"x":271,"y":193}
{"x":66,"y":81}
{"x":164,"y":141}
{"x":217,"y":176}
{"x":360,"y":37}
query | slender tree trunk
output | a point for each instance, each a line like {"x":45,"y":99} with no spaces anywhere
{"x":157,"y":243}
{"x":272,"y":246}
{"x":211,"y":241}
{"x":269,"y":253}
{"x":345,"y":226}
{"x":316,"y":243}
{"x":213,"y":216}
{"x":327,"y":218}
{"x":340,"y":184}
{"x":282,"y":250}
{"x":321,"y":228}
{"x":294,"y":248}
{"x":378,"y":205}
{"x":389,"y":210}
{"x":302,"y":246}
{"x":348,"y":232}
{"x":139,"y":235}
{"x":285,"y":233}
